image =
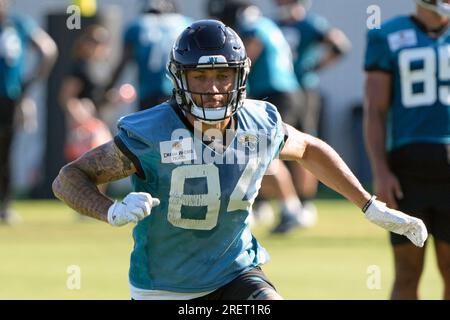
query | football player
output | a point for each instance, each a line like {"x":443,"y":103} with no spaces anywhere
{"x":147,"y":43}
{"x":197,"y":163}
{"x":18,"y":34}
{"x":407,"y":127}
{"x":315,"y":46}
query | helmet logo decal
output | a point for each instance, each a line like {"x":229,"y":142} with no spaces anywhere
{"x":212,"y":60}
{"x":249,"y":140}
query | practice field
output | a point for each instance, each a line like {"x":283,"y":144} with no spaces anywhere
{"x":343,"y":257}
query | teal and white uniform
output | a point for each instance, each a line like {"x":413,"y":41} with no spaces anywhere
{"x":304,"y":38}
{"x":198,"y":239}
{"x":273,"y":70}
{"x":419,"y":64}
{"x":151,"y":38}
{"x":15,"y":35}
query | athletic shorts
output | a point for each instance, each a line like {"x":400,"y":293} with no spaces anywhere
{"x":246,"y":286}
{"x":310,"y":111}
{"x":423,"y":171}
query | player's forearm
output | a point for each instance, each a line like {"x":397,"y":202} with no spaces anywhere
{"x":77,"y":182}
{"x":49,"y":54}
{"x":321,"y":160}
{"x":47,"y":62}
{"x":126,"y":57}
{"x":375,"y":135}
{"x":75,"y":188}
{"x":378,"y":96}
{"x":337,"y":45}
{"x":328,"y":59}
{"x":115,"y":75}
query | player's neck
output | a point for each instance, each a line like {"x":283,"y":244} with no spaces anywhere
{"x":430,"y":19}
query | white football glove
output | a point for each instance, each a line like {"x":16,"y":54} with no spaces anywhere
{"x":133,"y":208}
{"x":398,"y":222}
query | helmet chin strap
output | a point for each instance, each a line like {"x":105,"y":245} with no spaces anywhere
{"x":211,"y":122}
{"x":197,"y":111}
{"x":210,"y":113}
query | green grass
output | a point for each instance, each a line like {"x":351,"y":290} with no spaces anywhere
{"x":329,"y":261}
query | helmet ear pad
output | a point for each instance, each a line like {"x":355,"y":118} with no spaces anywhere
{"x":208,"y":44}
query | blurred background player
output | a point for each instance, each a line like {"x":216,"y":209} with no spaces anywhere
{"x":147,"y":42}
{"x":83,"y":94}
{"x":315,"y":45}
{"x":272,"y":79}
{"x":407,"y":127}
{"x":17,"y":33}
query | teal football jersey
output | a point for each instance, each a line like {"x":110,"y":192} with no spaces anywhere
{"x":273,"y":70}
{"x":151,"y":38}
{"x":305,"y":38}
{"x":198,"y":238}
{"x":419,"y":64}
{"x":15,"y":36}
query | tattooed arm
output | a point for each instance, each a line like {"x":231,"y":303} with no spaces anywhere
{"x":76,"y":183}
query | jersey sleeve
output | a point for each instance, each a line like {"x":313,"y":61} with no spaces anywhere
{"x":378,"y":54}
{"x":280,"y":140}
{"x":27,"y":26}
{"x":280,"y":133}
{"x":132,"y":148}
{"x":319,"y":26}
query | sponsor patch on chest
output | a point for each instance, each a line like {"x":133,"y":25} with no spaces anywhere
{"x":176,"y":151}
{"x":401,"y":39}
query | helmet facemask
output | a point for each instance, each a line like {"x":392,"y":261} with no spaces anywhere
{"x":184,"y":95}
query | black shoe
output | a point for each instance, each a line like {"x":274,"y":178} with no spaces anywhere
{"x":287,"y":223}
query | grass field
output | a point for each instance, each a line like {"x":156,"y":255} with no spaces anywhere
{"x":330,"y":261}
